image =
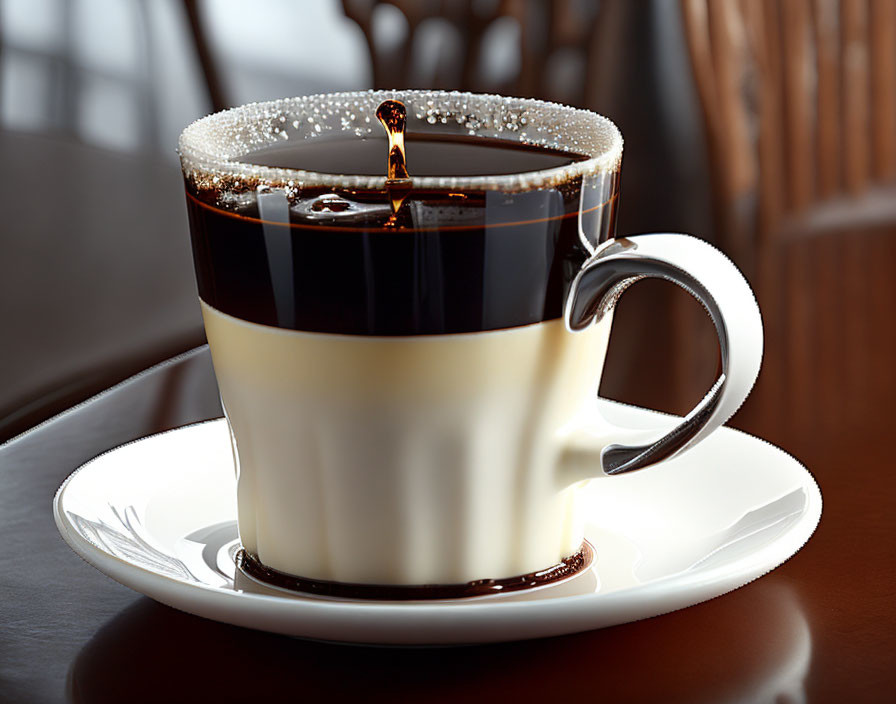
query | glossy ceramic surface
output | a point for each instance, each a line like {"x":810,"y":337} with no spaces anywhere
{"x":159,"y":516}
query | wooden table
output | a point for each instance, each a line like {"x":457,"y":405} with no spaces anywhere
{"x":821,"y":628}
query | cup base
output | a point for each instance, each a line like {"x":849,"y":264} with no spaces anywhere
{"x":253,"y":568}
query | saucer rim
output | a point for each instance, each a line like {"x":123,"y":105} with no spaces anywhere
{"x":735,"y":574}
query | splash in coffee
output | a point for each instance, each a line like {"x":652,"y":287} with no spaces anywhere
{"x":393,"y":117}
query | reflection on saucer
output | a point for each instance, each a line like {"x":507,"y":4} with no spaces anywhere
{"x":754,"y":646}
{"x":577,"y":568}
{"x":218,"y":549}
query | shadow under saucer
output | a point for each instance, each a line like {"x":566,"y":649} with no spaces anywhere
{"x":754,"y":645}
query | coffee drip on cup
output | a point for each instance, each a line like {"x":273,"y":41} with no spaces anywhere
{"x":393,"y":116}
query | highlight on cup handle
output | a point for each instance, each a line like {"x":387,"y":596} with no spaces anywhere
{"x":712,"y":279}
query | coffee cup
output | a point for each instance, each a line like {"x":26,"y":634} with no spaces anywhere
{"x":409,"y":367}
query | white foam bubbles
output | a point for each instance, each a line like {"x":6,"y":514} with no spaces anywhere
{"x":211,"y":148}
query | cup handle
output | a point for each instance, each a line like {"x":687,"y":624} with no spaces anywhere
{"x":712,"y":279}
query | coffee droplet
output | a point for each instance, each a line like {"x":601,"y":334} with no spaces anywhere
{"x":393,"y":116}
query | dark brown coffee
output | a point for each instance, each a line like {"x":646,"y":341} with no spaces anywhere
{"x":341,"y":261}
{"x":427,"y":155}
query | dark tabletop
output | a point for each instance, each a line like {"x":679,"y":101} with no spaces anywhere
{"x":819,"y":628}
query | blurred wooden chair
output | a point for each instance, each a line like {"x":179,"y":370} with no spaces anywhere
{"x":214,"y":85}
{"x":542,"y":46}
{"x":96,"y":281}
{"x":799,"y":100}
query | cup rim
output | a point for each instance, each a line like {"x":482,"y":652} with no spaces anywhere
{"x":210,"y":147}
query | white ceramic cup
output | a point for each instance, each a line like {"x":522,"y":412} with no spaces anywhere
{"x":448,"y":457}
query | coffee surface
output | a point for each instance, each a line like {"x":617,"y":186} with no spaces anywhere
{"x":340,"y":261}
{"x":427,"y":155}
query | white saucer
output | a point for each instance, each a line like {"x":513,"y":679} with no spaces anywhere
{"x":159,"y":516}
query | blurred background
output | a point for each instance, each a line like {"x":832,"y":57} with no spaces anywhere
{"x":767,"y":128}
